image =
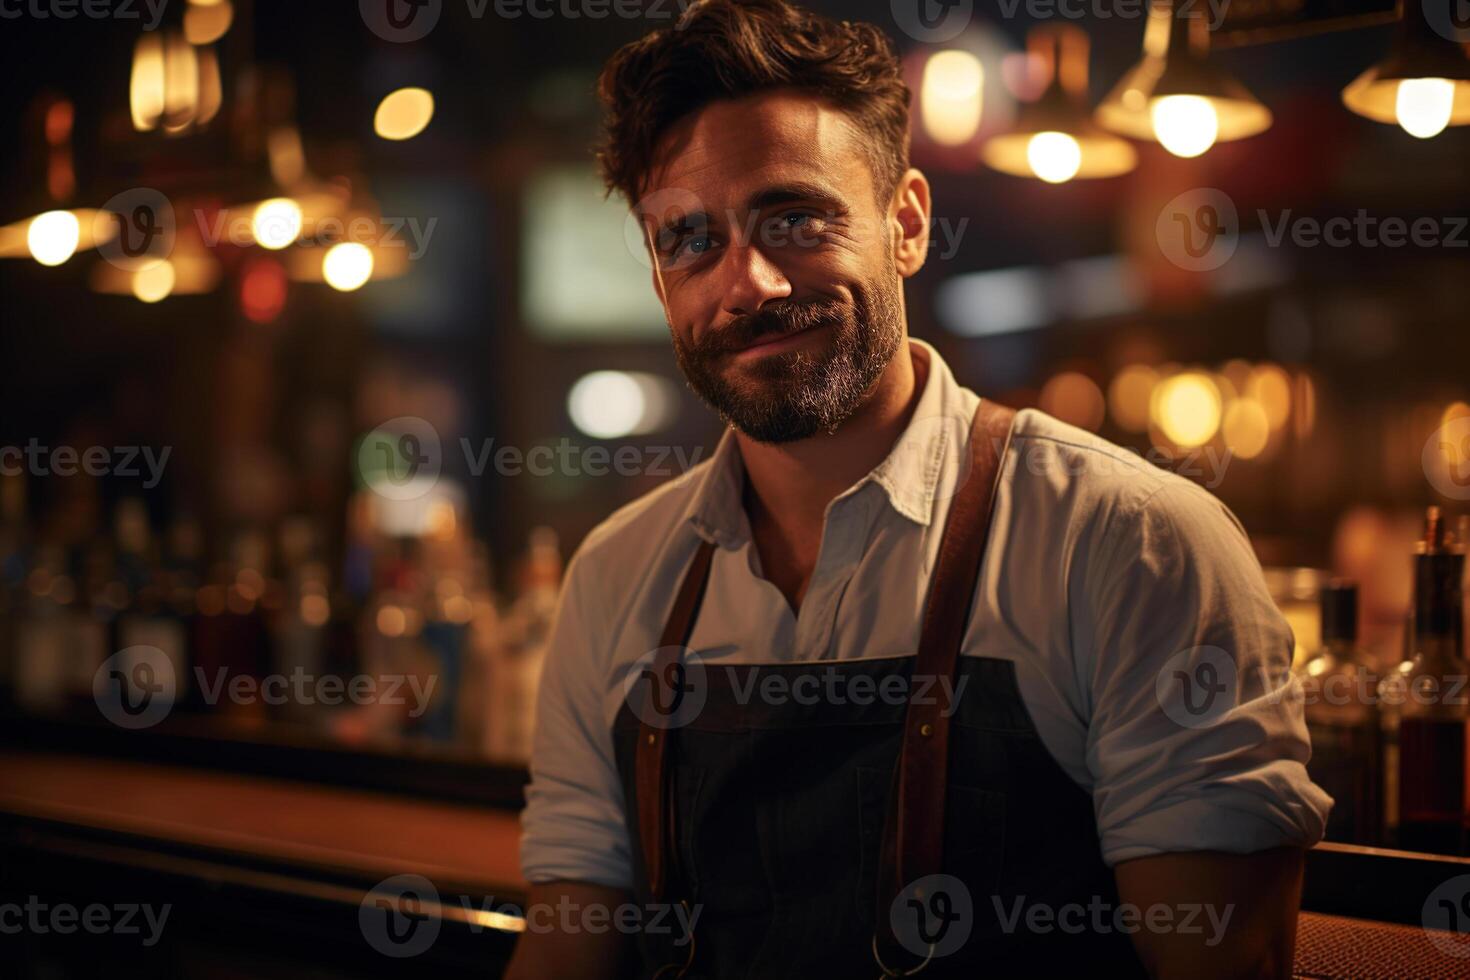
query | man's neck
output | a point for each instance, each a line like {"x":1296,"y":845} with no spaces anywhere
{"x":789,"y":485}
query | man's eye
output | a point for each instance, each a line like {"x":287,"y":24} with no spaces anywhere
{"x":787,"y":225}
{"x":687,"y":247}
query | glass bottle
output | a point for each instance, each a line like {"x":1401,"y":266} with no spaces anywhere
{"x":1433,"y":705}
{"x":1342,"y":718}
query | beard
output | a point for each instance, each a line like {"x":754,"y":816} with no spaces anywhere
{"x":791,"y":395}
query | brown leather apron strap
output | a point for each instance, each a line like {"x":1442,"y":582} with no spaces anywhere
{"x":913,"y":841}
{"x":651,"y":763}
{"x":913,"y":845}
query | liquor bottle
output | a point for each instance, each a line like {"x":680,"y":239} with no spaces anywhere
{"x":299,"y":626}
{"x":447,"y":616}
{"x":515,"y":674}
{"x":92,"y":621}
{"x":231,"y":639}
{"x":486,"y":634}
{"x":1433,"y":814}
{"x":148,"y":618}
{"x":43,"y":633}
{"x":1342,"y":718}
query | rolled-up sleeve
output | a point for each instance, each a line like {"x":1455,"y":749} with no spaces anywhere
{"x":572,"y":828}
{"x":1197,"y":739}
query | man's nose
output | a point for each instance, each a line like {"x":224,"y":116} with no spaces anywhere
{"x":751,"y":279}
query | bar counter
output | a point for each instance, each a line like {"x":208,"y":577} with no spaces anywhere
{"x":273,"y":873}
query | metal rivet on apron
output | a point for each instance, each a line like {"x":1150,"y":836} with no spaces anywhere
{"x":650,"y":738}
{"x":926,"y":730}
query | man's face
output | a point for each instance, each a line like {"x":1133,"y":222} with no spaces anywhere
{"x":775,"y":263}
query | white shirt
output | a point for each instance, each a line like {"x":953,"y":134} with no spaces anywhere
{"x":1102,"y":569}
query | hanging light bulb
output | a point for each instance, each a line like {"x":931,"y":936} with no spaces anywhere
{"x":1053,"y":139}
{"x":53,"y":237}
{"x":1424,"y":83}
{"x":1054,"y":157}
{"x":1187,"y":125}
{"x":1176,"y":95}
{"x":1423,"y":106}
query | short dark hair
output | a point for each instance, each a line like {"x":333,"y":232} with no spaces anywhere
{"x":726,"y":49}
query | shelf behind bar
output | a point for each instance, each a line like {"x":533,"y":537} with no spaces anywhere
{"x":420,"y":770}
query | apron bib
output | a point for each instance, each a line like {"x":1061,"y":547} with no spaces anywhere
{"x":807,"y":831}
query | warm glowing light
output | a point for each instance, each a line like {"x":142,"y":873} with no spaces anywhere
{"x":1246,"y":429}
{"x":145,"y":88}
{"x":1054,"y":157}
{"x":1423,"y":105}
{"x":276,"y":223}
{"x":951,"y":96}
{"x":392,"y":621}
{"x":1129,"y":396}
{"x":263,"y":291}
{"x":154,"y":282}
{"x":607,"y":404}
{"x":315,"y":610}
{"x":1187,"y":409}
{"x":347,"y":266}
{"x":1075,"y":399}
{"x":403,"y":114}
{"x":53,"y":237}
{"x":1270,"y":385}
{"x":205,"y":23}
{"x":1186,"y":125}
{"x":180,"y":84}
{"x":211,"y":94}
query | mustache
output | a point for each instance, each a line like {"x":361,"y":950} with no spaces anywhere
{"x":774,"y":320}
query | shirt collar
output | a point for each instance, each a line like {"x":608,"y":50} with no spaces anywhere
{"x":909,"y":474}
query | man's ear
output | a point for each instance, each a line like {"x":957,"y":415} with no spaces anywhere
{"x":909,"y":214}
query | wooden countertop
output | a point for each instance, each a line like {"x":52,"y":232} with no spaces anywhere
{"x":374,"y":834}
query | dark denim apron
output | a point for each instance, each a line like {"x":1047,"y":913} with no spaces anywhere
{"x":778,"y":811}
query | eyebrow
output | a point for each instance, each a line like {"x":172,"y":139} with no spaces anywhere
{"x":786,"y":193}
